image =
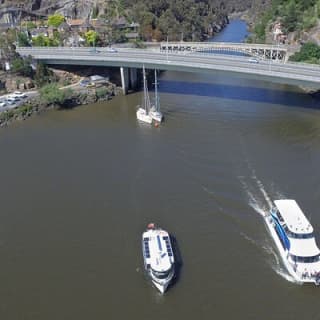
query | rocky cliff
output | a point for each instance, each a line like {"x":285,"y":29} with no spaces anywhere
{"x":83,"y":8}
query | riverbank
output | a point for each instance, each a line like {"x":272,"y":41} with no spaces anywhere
{"x":78,"y":96}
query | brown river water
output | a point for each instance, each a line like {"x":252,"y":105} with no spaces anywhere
{"x":78,"y":187}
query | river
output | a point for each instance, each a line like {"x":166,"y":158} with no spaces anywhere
{"x":79,"y":186}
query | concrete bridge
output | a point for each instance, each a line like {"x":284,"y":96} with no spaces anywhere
{"x":129,"y":60}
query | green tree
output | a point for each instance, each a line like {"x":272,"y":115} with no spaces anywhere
{"x":23,"y":39}
{"x":51,"y":94}
{"x":309,"y":52}
{"x":91,"y":37}
{"x":40,"y":41}
{"x":22,"y":66}
{"x":43,"y":75}
{"x":29,"y":25}
{"x":290,"y":19}
{"x":55,"y":20}
{"x":44,"y":41}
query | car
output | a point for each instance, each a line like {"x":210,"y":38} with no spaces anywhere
{"x":253,"y":60}
{"x":10,"y":100}
{"x":2,"y":104}
{"x":19,"y":94}
{"x":84,"y":82}
{"x":112,"y":49}
{"x":94,"y":50}
{"x":14,"y":97}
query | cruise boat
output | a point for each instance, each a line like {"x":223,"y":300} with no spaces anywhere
{"x":144,"y":109}
{"x":294,"y":238}
{"x":158,"y":256}
{"x":155,"y":112}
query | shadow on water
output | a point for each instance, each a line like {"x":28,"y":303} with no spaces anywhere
{"x":264,"y":95}
{"x":177,"y":258}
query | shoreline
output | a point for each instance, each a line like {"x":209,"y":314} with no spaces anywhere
{"x":80,"y":96}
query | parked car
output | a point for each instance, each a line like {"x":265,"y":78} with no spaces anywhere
{"x":84,"y":82}
{"x":10,"y":100}
{"x":19,"y":94}
{"x":13,"y":97}
{"x":2,"y":104}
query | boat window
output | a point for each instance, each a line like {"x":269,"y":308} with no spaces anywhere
{"x":146,"y":248}
{"x":279,"y":216}
{"x":305,"y":259}
{"x":298,"y":235}
{"x":161,"y":275}
{"x":168,"y":246}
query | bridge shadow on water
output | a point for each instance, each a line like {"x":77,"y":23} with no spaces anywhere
{"x":254,"y":94}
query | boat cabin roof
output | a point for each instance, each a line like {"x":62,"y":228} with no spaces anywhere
{"x":293,"y":216}
{"x":160,"y":255}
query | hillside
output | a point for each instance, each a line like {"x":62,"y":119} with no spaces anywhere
{"x":177,"y":19}
{"x":299,"y":20}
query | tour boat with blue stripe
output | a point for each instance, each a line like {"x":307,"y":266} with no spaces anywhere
{"x":294,"y":238}
{"x":158,"y":257}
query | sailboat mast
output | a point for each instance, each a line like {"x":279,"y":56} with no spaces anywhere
{"x":156,"y":90}
{"x":144,"y":89}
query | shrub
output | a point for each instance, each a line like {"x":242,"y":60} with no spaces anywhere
{"x":55,"y":20}
{"x":309,"y":52}
{"x":51,"y":94}
{"x":101,"y":92}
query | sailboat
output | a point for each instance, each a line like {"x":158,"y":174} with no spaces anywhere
{"x":144,"y":109}
{"x":155,"y":112}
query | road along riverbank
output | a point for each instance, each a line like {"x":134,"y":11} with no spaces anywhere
{"x":78,"y":95}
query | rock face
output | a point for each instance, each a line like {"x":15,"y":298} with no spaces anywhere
{"x":83,"y":8}
{"x":69,"y":8}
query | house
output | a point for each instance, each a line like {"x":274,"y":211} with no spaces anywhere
{"x":39,"y":31}
{"x":132,"y":35}
{"x":75,"y":41}
{"x":278,"y":35}
{"x":134,"y":26}
{"x":75,"y":24}
{"x":120,"y":23}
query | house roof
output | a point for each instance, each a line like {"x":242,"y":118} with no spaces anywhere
{"x":75,"y":22}
{"x":98,"y":23}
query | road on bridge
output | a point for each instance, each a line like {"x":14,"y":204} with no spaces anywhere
{"x":291,"y":73}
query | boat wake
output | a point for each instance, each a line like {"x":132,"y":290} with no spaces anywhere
{"x":261,"y":203}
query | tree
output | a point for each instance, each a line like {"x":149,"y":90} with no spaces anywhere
{"x":23,"y":39}
{"x":291,"y":18}
{"x":51,"y":94}
{"x":309,"y":52}
{"x":44,"y":41}
{"x":91,"y":37}
{"x":55,"y":20}
{"x":43,"y":74}
{"x":40,"y":41}
{"x":22,"y":66}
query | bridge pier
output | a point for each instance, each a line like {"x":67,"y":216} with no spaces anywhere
{"x":124,"y":79}
{"x":129,"y":79}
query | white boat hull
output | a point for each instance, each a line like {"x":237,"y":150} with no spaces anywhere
{"x":156,"y":115}
{"x":291,"y":268}
{"x":158,"y":257}
{"x":143,"y":116}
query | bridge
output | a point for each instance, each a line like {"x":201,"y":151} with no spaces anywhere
{"x":303,"y":75}
{"x":263,"y":51}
